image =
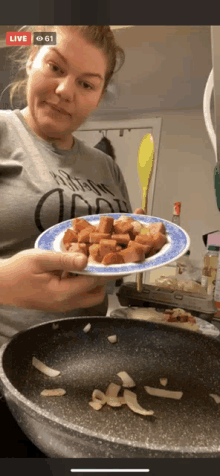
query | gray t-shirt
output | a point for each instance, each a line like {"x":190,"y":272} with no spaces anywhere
{"x":42,"y":185}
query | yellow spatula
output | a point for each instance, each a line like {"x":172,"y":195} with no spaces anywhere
{"x":145,"y":170}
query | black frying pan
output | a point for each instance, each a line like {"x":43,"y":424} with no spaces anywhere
{"x":68,"y":427}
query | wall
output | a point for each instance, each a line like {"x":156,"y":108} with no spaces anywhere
{"x":185,"y":173}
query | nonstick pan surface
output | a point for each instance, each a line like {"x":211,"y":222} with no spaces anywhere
{"x":88,"y":361}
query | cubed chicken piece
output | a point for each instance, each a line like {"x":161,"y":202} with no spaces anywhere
{"x":70,"y":237}
{"x":83,"y":248}
{"x":80,"y":224}
{"x":132,"y":255}
{"x":122,"y":227}
{"x":121,"y":239}
{"x":96,"y":237}
{"x":144,"y":239}
{"x":84,"y":235}
{"x":159,"y":240}
{"x":107,"y":246}
{"x":135,"y":245}
{"x":112,"y":258}
{"x":106,"y":225}
{"x":94,"y":252}
{"x":154,"y":227}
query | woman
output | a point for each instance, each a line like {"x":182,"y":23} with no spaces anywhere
{"x":47,"y":176}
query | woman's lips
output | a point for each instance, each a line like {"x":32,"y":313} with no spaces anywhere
{"x":55,"y":108}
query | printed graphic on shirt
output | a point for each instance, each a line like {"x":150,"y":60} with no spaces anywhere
{"x":101,"y":199}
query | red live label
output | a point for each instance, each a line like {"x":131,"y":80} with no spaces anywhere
{"x":16,"y":38}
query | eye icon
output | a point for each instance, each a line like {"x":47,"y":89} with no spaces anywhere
{"x":39,"y":38}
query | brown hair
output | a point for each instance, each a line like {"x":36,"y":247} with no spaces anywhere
{"x":100,"y":36}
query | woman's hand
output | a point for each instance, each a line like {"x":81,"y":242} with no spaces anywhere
{"x":34,"y":279}
{"x":139,"y":211}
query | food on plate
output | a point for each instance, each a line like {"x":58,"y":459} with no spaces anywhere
{"x":186,"y":286}
{"x":163,"y":381}
{"x":131,"y":401}
{"x":177,"y":314}
{"x":151,"y":315}
{"x":115,"y":241}
{"x":44,"y":369}
{"x":158,"y":392}
{"x":112,"y":339}
{"x":53,"y":392}
{"x":87,"y":328}
{"x":216,"y":397}
{"x":126,"y":379}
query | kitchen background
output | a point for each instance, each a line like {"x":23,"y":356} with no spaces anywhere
{"x":160,"y":87}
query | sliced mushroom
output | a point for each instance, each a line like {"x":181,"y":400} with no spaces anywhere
{"x":163,"y":381}
{"x":158,"y":392}
{"x":87,"y":328}
{"x":112,"y":339}
{"x":44,"y":369}
{"x":131,"y":401}
{"x":216,"y":397}
{"x":53,"y":392}
{"x":126,"y":379}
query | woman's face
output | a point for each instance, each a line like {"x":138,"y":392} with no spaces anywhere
{"x":65,"y":84}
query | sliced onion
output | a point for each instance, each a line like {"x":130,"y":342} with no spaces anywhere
{"x":87,"y":328}
{"x":53,"y":392}
{"x":111,"y":395}
{"x":126,"y":379}
{"x":131,"y":400}
{"x":216,"y":397}
{"x":112,"y":390}
{"x":163,"y":381}
{"x":112,"y":339}
{"x":98,"y":396}
{"x":95,"y":405}
{"x":44,"y":369}
{"x":158,"y":392}
{"x":55,"y":325}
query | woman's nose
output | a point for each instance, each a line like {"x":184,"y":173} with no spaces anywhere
{"x":66,"y":89}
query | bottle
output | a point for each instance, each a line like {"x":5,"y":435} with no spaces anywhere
{"x":176,"y":213}
{"x":209,"y":271}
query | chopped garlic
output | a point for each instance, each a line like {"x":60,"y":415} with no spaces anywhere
{"x":87,"y":328}
{"x":53,"y":392}
{"x":112,"y":339}
{"x":44,"y":369}
{"x":216,"y":397}
{"x":131,"y":400}
{"x":126,"y":379}
{"x":163,"y":381}
{"x":158,"y":392}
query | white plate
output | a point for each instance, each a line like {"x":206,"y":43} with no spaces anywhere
{"x":178,"y":242}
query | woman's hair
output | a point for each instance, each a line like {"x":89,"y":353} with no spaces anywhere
{"x":99,"y":36}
